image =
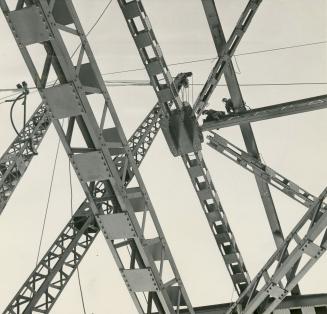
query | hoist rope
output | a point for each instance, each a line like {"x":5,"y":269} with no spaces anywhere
{"x":71,"y":213}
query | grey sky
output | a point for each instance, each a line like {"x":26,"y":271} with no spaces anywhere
{"x":294,"y":146}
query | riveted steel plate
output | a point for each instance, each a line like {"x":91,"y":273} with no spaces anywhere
{"x":91,"y":166}
{"x":311,"y":249}
{"x":175,"y":296}
{"x":165,"y":95}
{"x":137,"y":199}
{"x":111,"y":136}
{"x":87,"y":76}
{"x":275,"y":291}
{"x":131,"y":10}
{"x":63,"y":101}
{"x":29,"y":26}
{"x":61,"y":13}
{"x":117,"y":226}
{"x":155,"y":248}
{"x":139,"y":280}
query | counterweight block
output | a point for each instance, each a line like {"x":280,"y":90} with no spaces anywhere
{"x":182,"y":131}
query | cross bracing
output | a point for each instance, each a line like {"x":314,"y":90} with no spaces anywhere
{"x":172,"y":296}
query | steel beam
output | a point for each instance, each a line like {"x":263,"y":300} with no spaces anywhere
{"x":304,"y":304}
{"x":246,"y":129}
{"x":16,"y":159}
{"x":307,"y":242}
{"x":269,"y":112}
{"x":40,"y":23}
{"x":226,"y":51}
{"x":256,"y":167}
{"x":47,"y":281}
{"x":158,"y":72}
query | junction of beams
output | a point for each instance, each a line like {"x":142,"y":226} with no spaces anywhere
{"x":266,"y":113}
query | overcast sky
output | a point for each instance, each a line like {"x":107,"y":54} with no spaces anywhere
{"x":294,"y":146}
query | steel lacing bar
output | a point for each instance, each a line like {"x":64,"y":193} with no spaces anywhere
{"x":153,"y":60}
{"x":255,"y":166}
{"x":92,"y":135}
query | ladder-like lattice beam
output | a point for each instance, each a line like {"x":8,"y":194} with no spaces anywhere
{"x":135,"y":226}
{"x":269,"y":112}
{"x":49,"y":279}
{"x":255,"y":166}
{"x":307,"y":242}
{"x":17,"y":157}
{"x":141,"y":30}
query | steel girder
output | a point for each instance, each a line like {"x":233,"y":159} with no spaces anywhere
{"x":307,"y":242}
{"x":17,"y":157}
{"x":40,"y":22}
{"x":246,"y":129}
{"x":255,"y":166}
{"x":304,"y":304}
{"x":226,"y":53}
{"x":269,"y":112}
{"x":49,"y":278}
{"x":141,"y":30}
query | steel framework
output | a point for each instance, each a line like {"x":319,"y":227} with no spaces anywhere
{"x":106,"y":164}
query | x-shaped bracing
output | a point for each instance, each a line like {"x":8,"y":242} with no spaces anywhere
{"x":223,"y":65}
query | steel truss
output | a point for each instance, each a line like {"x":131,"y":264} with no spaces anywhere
{"x":307,"y":242}
{"x":15,"y":160}
{"x":237,"y":99}
{"x":43,"y":287}
{"x":255,"y":166}
{"x":93,"y":160}
{"x":106,"y":163}
{"x":141,"y":30}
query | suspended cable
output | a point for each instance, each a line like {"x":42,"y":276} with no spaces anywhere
{"x":99,"y":18}
{"x":71,"y":213}
{"x":117,"y":84}
{"x":48,"y":199}
{"x":191,"y":61}
{"x":215,"y":58}
{"x":237,"y":66}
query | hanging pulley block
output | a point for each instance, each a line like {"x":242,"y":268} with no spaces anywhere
{"x":182,"y":131}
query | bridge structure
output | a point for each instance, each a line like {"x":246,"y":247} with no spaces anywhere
{"x":106,"y":163}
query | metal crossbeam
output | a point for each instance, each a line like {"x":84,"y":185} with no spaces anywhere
{"x":269,"y":112}
{"x":304,"y":304}
{"x":153,"y":60}
{"x":307,"y":242}
{"x":246,"y":129}
{"x":256,"y":167}
{"x":81,"y":230}
{"x":225,"y":53}
{"x":41,"y":22}
{"x":17,"y":157}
